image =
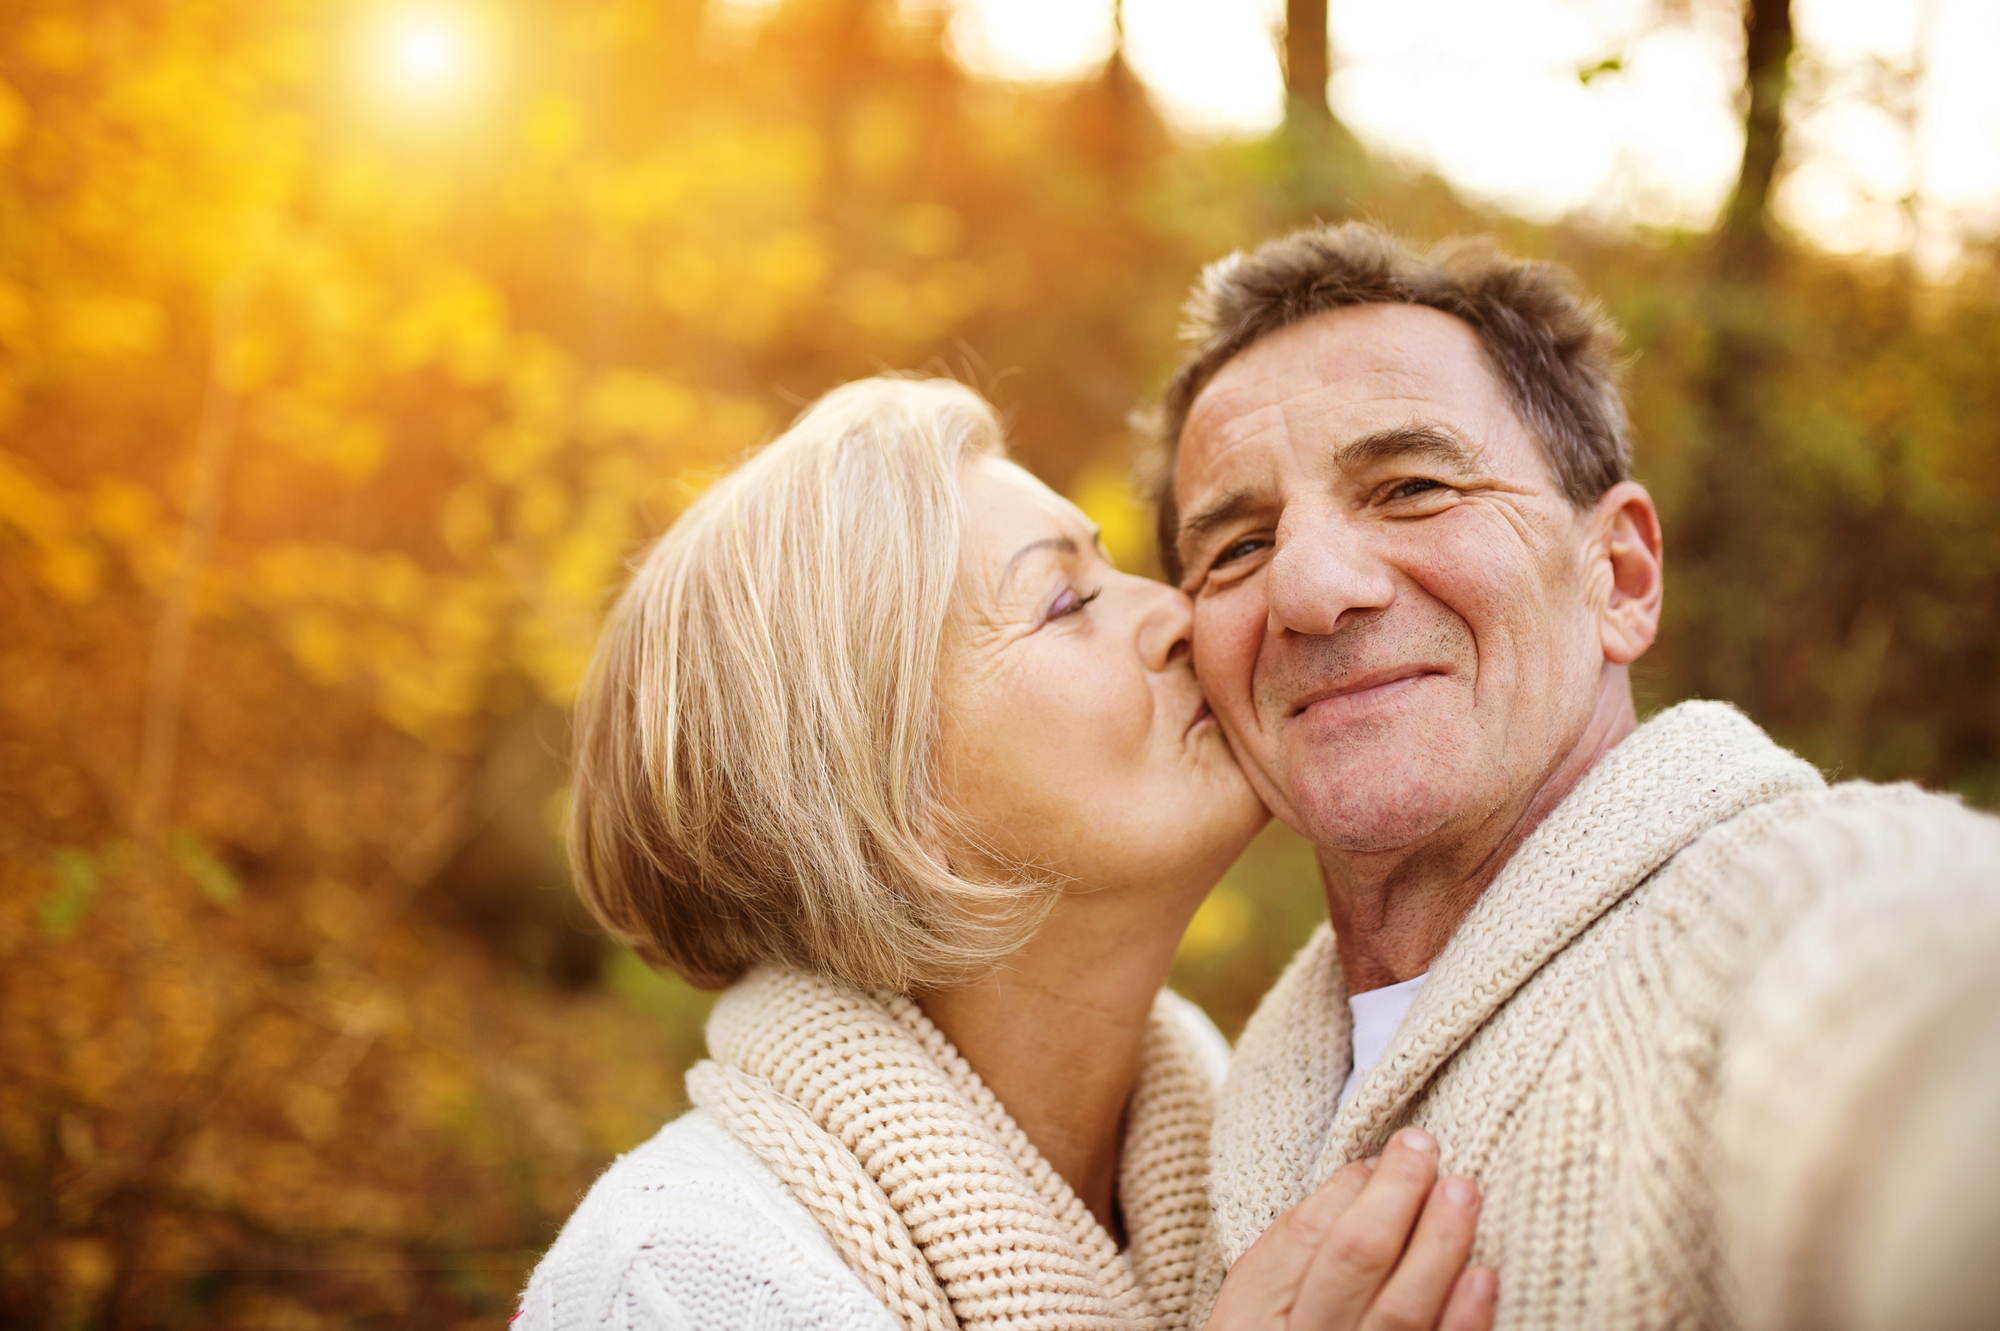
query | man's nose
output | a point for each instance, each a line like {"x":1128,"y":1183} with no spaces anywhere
{"x":1321,"y":570}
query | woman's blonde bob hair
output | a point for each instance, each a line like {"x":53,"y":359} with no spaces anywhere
{"x":755,"y":738}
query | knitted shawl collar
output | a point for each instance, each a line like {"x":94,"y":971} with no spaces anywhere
{"x":1278,"y":1133}
{"x":925,"y":1184}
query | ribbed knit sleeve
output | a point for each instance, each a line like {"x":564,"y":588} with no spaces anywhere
{"x":1857,"y":1127}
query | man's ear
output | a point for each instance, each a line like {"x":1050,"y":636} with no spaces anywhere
{"x":1627,"y":538}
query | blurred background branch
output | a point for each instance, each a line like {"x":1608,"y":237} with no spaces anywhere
{"x":166,"y":672}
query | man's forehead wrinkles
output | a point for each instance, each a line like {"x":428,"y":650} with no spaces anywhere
{"x":1227,"y":416}
{"x":1214,"y":461}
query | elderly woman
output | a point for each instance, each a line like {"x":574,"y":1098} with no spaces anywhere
{"x":880,"y":740}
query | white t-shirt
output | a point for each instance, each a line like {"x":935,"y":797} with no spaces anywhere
{"x":1377,"y":1015}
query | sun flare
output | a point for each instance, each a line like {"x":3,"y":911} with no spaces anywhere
{"x":426,"y":52}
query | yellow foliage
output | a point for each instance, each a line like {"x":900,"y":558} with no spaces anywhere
{"x":399,"y":588}
{"x":554,"y":647}
{"x":540,"y":378}
{"x":71,"y":571}
{"x":457,"y":320}
{"x":687,"y":279}
{"x":881,"y":138}
{"x":928,"y":230}
{"x":640,"y":406}
{"x":31,"y":507}
{"x":587,"y":563}
{"x":249,"y":358}
{"x":58,"y":43}
{"x":1124,"y":524}
{"x":510,"y":453}
{"x":123,"y":510}
{"x":103,"y":325}
{"x":466,"y":521}
{"x":617,"y":478}
{"x":319,"y":645}
{"x":880,"y":305}
{"x":13,"y":118}
{"x":542,"y":507}
{"x":789,"y":265}
{"x":16,"y":315}
{"x":1222,"y":922}
{"x":951,"y":292}
{"x":461,"y":627}
{"x":736,"y":422}
{"x":553,"y":127}
{"x":359,"y":450}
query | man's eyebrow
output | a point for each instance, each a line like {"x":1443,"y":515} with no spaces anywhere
{"x":1225,"y":510}
{"x":1432,"y":443}
{"x":1060,"y":543}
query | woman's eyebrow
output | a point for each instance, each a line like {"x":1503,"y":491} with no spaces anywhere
{"x":1060,"y":543}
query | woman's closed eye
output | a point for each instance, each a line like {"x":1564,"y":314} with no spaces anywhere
{"x":1069,"y":601}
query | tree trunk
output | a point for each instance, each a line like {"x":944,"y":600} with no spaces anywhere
{"x":1326,"y":163}
{"x":1724,"y":530}
{"x":1304,"y":56}
{"x":1767,"y":31}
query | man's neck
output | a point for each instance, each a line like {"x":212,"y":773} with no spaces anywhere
{"x":1393,"y":912}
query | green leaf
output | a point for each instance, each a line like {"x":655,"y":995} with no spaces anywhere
{"x":211,"y":875}
{"x":1609,"y":65}
{"x":649,"y":990}
{"x":77,"y":882}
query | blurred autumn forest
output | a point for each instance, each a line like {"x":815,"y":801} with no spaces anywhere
{"x":327,"y":428}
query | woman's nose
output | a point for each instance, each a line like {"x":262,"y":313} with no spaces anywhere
{"x":1166,"y":624}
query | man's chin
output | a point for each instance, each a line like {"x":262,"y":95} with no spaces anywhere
{"x":1359,"y":809}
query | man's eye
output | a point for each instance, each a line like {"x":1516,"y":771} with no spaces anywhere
{"x":1410,"y":489}
{"x":1236,"y":550}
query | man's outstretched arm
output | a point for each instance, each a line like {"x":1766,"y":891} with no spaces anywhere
{"x":1858,"y":1121}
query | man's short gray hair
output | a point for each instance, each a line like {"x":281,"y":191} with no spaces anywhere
{"x":1551,"y":344}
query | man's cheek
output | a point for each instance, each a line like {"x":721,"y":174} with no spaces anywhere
{"x":1225,"y":653}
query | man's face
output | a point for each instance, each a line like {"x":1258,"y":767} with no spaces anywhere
{"x":1396,"y":617}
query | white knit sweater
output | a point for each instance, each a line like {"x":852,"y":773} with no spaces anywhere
{"x":1721,"y":1046}
{"x":844,"y":1170}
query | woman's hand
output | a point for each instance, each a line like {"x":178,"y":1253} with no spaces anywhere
{"x":1381,"y":1247}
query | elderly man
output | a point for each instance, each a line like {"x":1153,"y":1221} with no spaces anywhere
{"x":1721,"y":1043}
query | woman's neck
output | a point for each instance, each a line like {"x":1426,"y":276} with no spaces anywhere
{"x":1056,"y":1033}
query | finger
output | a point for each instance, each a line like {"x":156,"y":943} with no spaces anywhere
{"x":1264,"y":1283}
{"x":1415,"y":1294}
{"x":1313,"y":1217}
{"x":1365,"y":1243}
{"x":1474,"y":1298}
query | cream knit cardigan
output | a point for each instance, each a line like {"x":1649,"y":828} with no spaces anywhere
{"x":1719,"y":1045}
{"x":857,"y":1106}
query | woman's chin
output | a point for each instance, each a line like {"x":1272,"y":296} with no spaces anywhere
{"x":1228,"y":820}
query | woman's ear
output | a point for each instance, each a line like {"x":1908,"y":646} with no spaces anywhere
{"x":1628,"y":541}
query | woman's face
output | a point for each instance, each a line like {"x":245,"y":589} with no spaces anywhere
{"x":1074,"y":735}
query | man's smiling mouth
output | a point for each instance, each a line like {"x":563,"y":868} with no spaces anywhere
{"x":1361,"y":691}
